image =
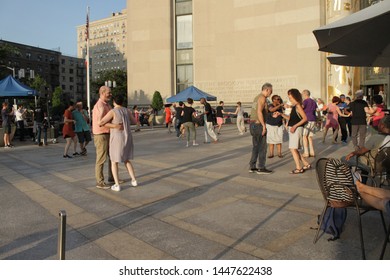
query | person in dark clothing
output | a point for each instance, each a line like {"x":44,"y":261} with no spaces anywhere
{"x":179,"y":118}
{"x":188,"y":114}
{"x":348,"y":119}
{"x":219,"y":114}
{"x":343,"y":120}
{"x":359,"y":109}
{"x":6,"y":115}
{"x":208,"y":122}
{"x":41,"y":125}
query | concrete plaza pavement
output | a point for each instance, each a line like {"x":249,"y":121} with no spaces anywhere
{"x":191,"y":203}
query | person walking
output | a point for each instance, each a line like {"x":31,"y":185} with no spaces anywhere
{"x":296,"y":121}
{"x":258,"y":131}
{"x":20,"y":114}
{"x":179,"y":118}
{"x":343,"y":120}
{"x":168,"y":117}
{"x":321,"y":111}
{"x":82,"y":128}
{"x":208,"y":122}
{"x":359,"y":109}
{"x":121,"y":141}
{"x":101,"y":136}
{"x":6,"y":115}
{"x":136,"y":117}
{"x":219,"y":115}
{"x":68,"y":132}
{"x":240,"y":119}
{"x":274,"y":124}
{"x":332,"y":119}
{"x":310,"y":108}
{"x":348,"y":119}
{"x":41,"y":124}
{"x":187,"y":115}
{"x":151,"y":113}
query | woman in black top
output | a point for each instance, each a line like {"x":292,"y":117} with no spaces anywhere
{"x":219,"y":115}
{"x":187,"y":114}
{"x":296,"y":121}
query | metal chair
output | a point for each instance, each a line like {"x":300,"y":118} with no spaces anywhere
{"x":378,"y":165}
{"x":354,"y":203}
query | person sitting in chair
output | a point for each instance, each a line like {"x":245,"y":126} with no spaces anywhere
{"x":378,"y":198}
{"x":377,"y":141}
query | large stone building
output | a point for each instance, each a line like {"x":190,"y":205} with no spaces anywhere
{"x":226,"y":48}
{"x":230,"y":48}
{"x":107,"y":43}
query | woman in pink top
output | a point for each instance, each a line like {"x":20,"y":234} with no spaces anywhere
{"x":332,"y":119}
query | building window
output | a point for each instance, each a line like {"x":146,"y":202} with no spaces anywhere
{"x":184,"y":77}
{"x":184,"y":32}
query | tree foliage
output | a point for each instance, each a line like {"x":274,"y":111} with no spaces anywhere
{"x":120,"y":78}
{"x":6,"y":51}
{"x":157,"y":101}
{"x":58,"y":106}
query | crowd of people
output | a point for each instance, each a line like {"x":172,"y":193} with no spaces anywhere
{"x":300,"y":117}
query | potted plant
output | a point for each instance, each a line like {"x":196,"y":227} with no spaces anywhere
{"x":158,"y":104}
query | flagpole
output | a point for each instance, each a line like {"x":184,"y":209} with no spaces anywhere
{"x":88,"y":66}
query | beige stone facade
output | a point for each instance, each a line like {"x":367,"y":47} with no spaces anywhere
{"x":237,"y":46}
{"x":107,"y":43}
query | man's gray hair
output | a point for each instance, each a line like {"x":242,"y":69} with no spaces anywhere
{"x":307,"y":91}
{"x":265,"y":86}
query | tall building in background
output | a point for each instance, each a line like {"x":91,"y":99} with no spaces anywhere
{"x":73,"y":77}
{"x":230,"y":48}
{"x":226,"y":48}
{"x":56,"y":69}
{"x":107,"y":43}
{"x":31,"y":61}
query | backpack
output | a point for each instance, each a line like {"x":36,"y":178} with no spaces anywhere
{"x":333,"y":222}
{"x":337,"y":181}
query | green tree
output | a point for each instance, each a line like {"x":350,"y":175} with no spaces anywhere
{"x":6,"y":51}
{"x":157,"y":101}
{"x":58,"y":106}
{"x":120,"y":78}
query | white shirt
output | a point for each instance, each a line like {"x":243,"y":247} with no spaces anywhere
{"x":19,"y":114}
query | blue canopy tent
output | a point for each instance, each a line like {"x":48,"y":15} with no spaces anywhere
{"x":11,"y":88}
{"x":191,"y":92}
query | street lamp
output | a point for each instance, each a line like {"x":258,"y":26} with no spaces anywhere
{"x":10,"y":68}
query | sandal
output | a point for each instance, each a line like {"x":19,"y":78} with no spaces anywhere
{"x":297,"y":171}
{"x":270,"y":156}
{"x":306,"y":167}
{"x":280,"y":155}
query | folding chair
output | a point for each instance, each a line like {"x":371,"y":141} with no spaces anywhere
{"x":355,"y":203}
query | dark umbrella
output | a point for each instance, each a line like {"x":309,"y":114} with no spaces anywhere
{"x":364,"y":33}
{"x":361,"y":61}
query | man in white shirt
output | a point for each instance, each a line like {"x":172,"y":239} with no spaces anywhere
{"x":20,"y":115}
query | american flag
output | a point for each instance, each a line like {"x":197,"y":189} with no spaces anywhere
{"x":87,"y":26}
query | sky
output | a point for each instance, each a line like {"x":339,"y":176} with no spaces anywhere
{"x":51,"y":24}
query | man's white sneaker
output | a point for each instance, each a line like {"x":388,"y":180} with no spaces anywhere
{"x":116,"y":188}
{"x":134,"y":183}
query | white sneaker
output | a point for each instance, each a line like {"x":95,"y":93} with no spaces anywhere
{"x":115,"y":188}
{"x":134,"y":183}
